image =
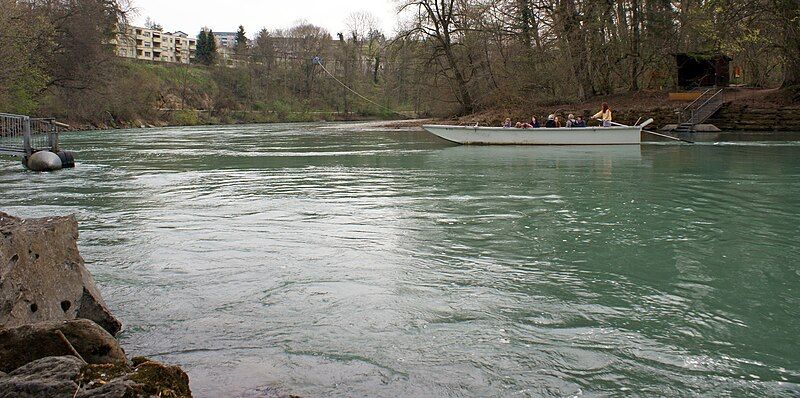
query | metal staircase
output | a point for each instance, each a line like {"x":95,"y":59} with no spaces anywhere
{"x":706,"y":105}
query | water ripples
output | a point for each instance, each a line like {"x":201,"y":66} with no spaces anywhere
{"x":342,"y":260}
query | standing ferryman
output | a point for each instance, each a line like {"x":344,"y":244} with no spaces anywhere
{"x":604,"y":115}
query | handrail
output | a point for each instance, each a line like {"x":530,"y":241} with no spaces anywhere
{"x":12,"y":115}
{"x":704,"y":104}
{"x":22,"y":135}
{"x":709,"y":99}
{"x":696,"y":99}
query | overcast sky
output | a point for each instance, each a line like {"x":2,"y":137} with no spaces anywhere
{"x":226,"y":15}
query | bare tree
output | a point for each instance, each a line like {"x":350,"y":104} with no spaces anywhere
{"x":438,"y":22}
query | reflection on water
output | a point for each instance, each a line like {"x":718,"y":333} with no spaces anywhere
{"x":340,"y":260}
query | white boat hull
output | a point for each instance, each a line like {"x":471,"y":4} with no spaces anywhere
{"x":628,"y":135}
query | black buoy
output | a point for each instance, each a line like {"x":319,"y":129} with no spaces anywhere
{"x":67,"y":159}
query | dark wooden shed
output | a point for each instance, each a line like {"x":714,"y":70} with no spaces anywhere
{"x":703,"y":70}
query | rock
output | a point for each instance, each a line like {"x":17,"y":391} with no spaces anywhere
{"x":46,"y":377}
{"x":28,"y":343}
{"x":44,"y":161}
{"x":156,"y":378}
{"x":147,"y":379}
{"x":43,"y":277}
{"x":68,"y":377}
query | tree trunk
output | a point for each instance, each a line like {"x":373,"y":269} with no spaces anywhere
{"x":790,"y":11}
{"x":375,"y":70}
{"x":525,"y":23}
{"x":574,"y":43}
{"x":635,"y":42}
{"x":461,"y":82}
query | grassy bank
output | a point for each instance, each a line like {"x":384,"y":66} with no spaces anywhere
{"x":136,"y":94}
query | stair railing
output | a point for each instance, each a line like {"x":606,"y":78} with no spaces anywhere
{"x":688,"y":108}
{"x":707,"y":108}
{"x":696,"y":99}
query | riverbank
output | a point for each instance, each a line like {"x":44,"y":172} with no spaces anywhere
{"x":184,"y":118}
{"x":745,"y":110}
{"x":152,"y":94}
{"x":751,"y":110}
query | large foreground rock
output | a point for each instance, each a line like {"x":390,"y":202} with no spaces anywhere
{"x":24,"y":344}
{"x":48,"y":377}
{"x":43,"y":277}
{"x":68,"y":377}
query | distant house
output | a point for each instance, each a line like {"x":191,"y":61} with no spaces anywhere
{"x":226,"y":39}
{"x":154,"y":45}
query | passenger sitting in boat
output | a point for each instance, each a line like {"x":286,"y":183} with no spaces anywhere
{"x":579,"y":122}
{"x":558,"y":122}
{"x":604,"y":115}
{"x":527,"y":126}
{"x":535,"y":123}
{"x":551,"y":122}
{"x":518,"y":125}
{"x":507,"y":123}
{"x":571,"y":121}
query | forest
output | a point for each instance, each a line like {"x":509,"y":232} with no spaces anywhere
{"x":450,"y":57}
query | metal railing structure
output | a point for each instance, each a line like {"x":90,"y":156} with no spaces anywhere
{"x":23,"y":135}
{"x":699,"y":110}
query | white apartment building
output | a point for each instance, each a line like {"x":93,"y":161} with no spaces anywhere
{"x":225,"y":39}
{"x":155,"y":45}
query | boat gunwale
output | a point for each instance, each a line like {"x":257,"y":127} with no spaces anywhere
{"x":519,"y":136}
{"x":487,"y":128}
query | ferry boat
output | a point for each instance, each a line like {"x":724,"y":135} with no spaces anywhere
{"x":475,"y":135}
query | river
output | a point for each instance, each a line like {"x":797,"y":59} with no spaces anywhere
{"x":346,"y":260}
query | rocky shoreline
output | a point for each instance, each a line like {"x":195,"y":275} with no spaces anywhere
{"x":56,"y":332}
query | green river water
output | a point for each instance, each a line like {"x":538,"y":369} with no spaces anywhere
{"x":346,"y":260}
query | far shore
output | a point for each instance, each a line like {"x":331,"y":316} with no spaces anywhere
{"x":760,"y":110}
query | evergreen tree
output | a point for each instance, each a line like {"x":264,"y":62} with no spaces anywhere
{"x":206,"y":48}
{"x":201,"y":51}
{"x":241,"y":40}
{"x":212,"y":47}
